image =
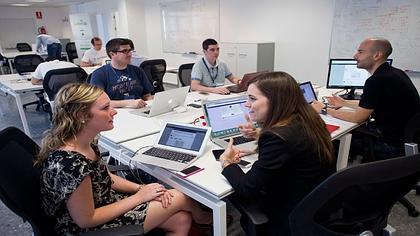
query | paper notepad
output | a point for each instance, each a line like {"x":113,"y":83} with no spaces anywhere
{"x":332,"y":128}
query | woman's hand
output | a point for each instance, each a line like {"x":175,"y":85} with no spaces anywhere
{"x":249,"y":130}
{"x":232,"y":154}
{"x":150,"y":192}
{"x":165,"y":199}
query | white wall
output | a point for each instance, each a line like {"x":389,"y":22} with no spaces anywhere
{"x":53,"y":18}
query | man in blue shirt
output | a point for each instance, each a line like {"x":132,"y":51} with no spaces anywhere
{"x":209,"y":74}
{"x":51,"y":43}
{"x":125,"y":84}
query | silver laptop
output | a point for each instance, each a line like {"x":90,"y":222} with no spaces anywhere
{"x":165,"y":101}
{"x":177,"y":146}
{"x":224,"y":117}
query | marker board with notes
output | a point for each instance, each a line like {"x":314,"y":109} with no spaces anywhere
{"x":186,"y":23}
{"x":397,"y":21}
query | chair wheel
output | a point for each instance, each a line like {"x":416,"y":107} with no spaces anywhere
{"x":413,"y":213}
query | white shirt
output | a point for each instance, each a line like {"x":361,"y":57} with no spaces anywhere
{"x":43,"y":40}
{"x":95,"y":57}
{"x":43,"y":68}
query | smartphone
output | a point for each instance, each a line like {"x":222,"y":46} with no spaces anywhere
{"x":189,"y":171}
{"x":194,"y":105}
{"x":218,"y":152}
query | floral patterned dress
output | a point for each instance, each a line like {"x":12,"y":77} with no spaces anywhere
{"x":62,"y":173}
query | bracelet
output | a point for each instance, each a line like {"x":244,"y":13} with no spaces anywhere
{"x":238,"y":81}
{"x":324,"y":110}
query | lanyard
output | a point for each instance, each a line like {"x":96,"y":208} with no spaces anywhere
{"x":211,"y":76}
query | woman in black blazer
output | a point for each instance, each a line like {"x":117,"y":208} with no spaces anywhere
{"x":295,"y":152}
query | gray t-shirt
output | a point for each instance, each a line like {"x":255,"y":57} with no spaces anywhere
{"x":208,"y":75}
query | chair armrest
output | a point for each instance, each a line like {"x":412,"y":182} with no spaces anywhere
{"x":117,"y":168}
{"x":126,"y":230}
{"x":252,"y":211}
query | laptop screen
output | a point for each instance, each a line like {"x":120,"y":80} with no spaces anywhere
{"x":308,"y":92}
{"x":225,"y":116}
{"x":184,"y":137}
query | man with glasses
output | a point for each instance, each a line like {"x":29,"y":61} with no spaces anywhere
{"x":209,"y":74}
{"x":125,"y":84}
{"x":94,"y":56}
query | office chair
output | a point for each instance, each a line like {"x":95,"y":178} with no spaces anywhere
{"x":184,"y":74}
{"x":55,"y":79}
{"x":26,"y":64}
{"x":3,"y":62}
{"x":71,"y":51}
{"x":23,"y":47}
{"x":20,"y":185}
{"x":155,"y":70}
{"x":356,"y":200}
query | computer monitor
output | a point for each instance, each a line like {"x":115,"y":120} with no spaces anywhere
{"x":64,"y":42}
{"x":344,"y":74}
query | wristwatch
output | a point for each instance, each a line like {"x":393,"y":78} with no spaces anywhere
{"x":324,"y":110}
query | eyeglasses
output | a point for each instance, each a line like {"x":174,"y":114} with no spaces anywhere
{"x":125,"y":51}
{"x":213,"y":49}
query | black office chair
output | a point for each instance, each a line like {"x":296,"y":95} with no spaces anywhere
{"x":20,"y":185}
{"x":26,"y":64}
{"x":184,"y":74}
{"x":71,"y":51}
{"x":155,"y":70}
{"x":55,"y":79}
{"x":4,"y":65}
{"x":356,"y":199}
{"x":23,"y":47}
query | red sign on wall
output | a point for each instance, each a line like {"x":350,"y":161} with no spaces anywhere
{"x":38,"y":14}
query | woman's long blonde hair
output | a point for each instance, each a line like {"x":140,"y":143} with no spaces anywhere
{"x":287,"y":105}
{"x":72,"y":102}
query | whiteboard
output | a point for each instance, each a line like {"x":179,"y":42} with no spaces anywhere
{"x":186,"y":24}
{"x":17,"y":31}
{"x":397,"y":21}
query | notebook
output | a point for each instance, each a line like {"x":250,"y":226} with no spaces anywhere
{"x":224,"y":117}
{"x":243,"y":86}
{"x":165,"y":101}
{"x":308,"y":91}
{"x":177,"y":146}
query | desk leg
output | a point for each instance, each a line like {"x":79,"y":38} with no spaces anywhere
{"x":10,"y":65}
{"x":22,"y":114}
{"x":343,"y":151}
{"x":219,"y":219}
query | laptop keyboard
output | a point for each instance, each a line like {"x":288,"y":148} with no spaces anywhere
{"x":240,"y":140}
{"x":169,"y":155}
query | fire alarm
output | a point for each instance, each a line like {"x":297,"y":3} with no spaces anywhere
{"x":38,"y":14}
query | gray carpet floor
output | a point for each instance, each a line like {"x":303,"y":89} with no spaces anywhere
{"x":10,"y":224}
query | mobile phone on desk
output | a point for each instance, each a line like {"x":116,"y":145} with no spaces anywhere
{"x":218,"y":152}
{"x":189,"y":171}
{"x":244,"y":163}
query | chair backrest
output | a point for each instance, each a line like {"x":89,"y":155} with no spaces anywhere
{"x":55,"y":79}
{"x":20,"y":179}
{"x":27,"y":63}
{"x":184,"y":74}
{"x":412,"y":130}
{"x":355,"y":199}
{"x":23,"y":47}
{"x":155,"y":70}
{"x":71,"y":51}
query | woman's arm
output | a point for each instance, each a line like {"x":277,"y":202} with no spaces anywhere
{"x":122,"y":185}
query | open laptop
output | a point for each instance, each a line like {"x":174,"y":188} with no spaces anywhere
{"x":177,"y":146}
{"x":308,"y":91}
{"x":243,"y":86}
{"x":165,"y":101}
{"x":224,"y":117}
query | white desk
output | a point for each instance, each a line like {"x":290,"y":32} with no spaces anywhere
{"x":15,"y":84}
{"x":90,"y":69}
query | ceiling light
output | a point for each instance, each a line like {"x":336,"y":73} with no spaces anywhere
{"x":20,"y":4}
{"x":37,"y":0}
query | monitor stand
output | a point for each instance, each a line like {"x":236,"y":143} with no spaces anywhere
{"x":350,"y":95}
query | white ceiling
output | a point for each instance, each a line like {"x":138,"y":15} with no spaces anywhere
{"x":43,"y":3}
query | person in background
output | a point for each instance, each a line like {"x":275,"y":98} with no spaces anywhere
{"x":209,"y":73}
{"x":51,"y":43}
{"x":43,"y":68}
{"x":125,"y":84}
{"x":388,"y":96}
{"x":79,"y":192}
{"x":94,"y":56}
{"x":295,"y":152}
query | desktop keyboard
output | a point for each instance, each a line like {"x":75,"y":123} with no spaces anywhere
{"x":169,"y":155}
{"x":240,"y":140}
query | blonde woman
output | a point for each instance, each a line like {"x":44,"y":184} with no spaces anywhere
{"x":78,"y":190}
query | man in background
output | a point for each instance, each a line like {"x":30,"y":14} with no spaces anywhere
{"x":43,"y":68}
{"x":51,"y":43}
{"x":389,"y":97}
{"x":125,"y":84}
{"x":209,"y":73}
{"x":94,"y":56}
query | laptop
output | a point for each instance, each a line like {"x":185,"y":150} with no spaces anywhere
{"x":165,"y":101}
{"x":224,"y":117}
{"x":243,"y":86}
{"x":308,"y":91}
{"x":177,"y":146}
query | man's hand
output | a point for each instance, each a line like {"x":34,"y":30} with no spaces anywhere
{"x":220,"y":90}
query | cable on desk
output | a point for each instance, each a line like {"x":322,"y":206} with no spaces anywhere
{"x":133,"y":169}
